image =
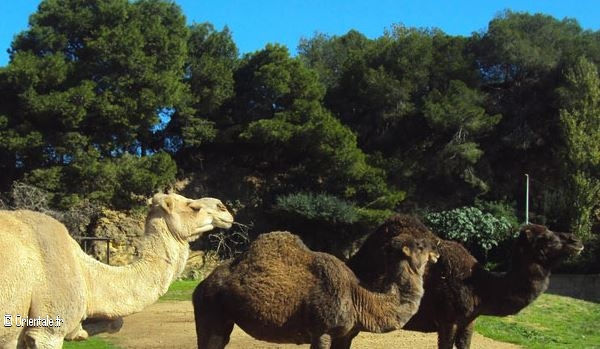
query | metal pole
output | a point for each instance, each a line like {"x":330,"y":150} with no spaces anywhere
{"x":108,"y":252}
{"x":526,"y":198}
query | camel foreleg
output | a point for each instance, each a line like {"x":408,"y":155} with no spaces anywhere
{"x":464,"y":335}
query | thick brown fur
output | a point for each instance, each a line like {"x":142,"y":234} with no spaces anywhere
{"x":280,"y":291}
{"x":457,"y":288}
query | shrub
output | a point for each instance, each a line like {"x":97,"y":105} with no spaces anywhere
{"x":78,"y":218}
{"x":478,"y":231}
{"x":29,"y":197}
{"x":500,"y":209}
{"x":321,"y":206}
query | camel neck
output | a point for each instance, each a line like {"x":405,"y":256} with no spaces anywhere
{"x":384,"y":312}
{"x":122,"y":290}
{"x":507,"y":293}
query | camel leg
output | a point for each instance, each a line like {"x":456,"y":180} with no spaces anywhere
{"x":446,"y":335}
{"x":79,"y":334}
{"x":37,"y":338}
{"x":321,"y":342}
{"x":212,"y":332}
{"x":464,"y":335}
{"x":214,"y":336}
{"x":342,"y":342}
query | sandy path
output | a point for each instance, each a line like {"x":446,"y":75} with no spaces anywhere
{"x":171,"y":325}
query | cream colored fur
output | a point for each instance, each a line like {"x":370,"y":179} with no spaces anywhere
{"x":44,"y":272}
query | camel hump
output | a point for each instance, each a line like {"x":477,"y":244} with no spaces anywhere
{"x":280,"y":239}
{"x":30,"y":226}
{"x":271,"y":251}
{"x":404,"y":224}
{"x":277,"y":243}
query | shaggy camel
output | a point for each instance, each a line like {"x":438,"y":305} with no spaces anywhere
{"x":458,"y":289}
{"x":280,"y":291}
{"x":47,"y":278}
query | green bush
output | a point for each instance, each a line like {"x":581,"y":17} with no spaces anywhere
{"x":500,"y":209}
{"x":478,"y":231}
{"x":321,"y":206}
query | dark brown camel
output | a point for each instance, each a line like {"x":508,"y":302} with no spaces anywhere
{"x":457,"y":288}
{"x":280,"y":291}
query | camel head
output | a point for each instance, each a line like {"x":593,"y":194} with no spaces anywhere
{"x":545,"y":246}
{"x":416,"y":251}
{"x":188,"y":219}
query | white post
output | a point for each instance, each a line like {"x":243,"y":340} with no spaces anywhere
{"x":526,"y":198}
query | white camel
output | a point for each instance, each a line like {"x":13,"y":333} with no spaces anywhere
{"x":49,"y":285}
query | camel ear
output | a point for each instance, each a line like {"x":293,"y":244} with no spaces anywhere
{"x":527,"y":233}
{"x":406,"y":250}
{"x":164,"y":201}
{"x":168,"y":204}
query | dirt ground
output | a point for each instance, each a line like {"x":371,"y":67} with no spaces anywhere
{"x":171,"y":325}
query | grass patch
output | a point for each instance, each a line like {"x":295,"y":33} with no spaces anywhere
{"x":551,"y":322}
{"x":90,"y":343}
{"x":180,"y":290}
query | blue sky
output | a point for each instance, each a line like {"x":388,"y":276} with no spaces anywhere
{"x":255,"y":23}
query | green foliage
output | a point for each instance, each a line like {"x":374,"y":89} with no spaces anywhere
{"x":89,"y":80}
{"x":479,"y":231}
{"x":118,"y":182}
{"x":294,"y":139}
{"x":370,"y":219}
{"x":328,"y":55}
{"x":550,"y":322}
{"x":581,"y":128}
{"x":527,"y":45}
{"x":211,"y":61}
{"x":318,"y":207}
{"x":88,"y":67}
{"x":458,"y":109}
{"x":500,"y":209}
{"x":458,"y":118}
{"x":579,"y":117}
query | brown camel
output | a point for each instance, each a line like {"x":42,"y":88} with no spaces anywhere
{"x":458,"y":289}
{"x":280,"y":291}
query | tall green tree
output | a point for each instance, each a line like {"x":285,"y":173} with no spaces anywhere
{"x":89,"y":79}
{"x":328,"y":55}
{"x":211,"y":61}
{"x":580,"y":122}
{"x":380,"y":84}
{"x":279,"y":102}
{"x":458,"y":120}
{"x":277,"y":141}
{"x":390,"y":91}
{"x":521,"y":58}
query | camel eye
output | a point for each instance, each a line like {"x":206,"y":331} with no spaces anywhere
{"x":221,"y":207}
{"x":195,"y":207}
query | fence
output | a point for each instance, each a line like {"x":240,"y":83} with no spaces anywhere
{"x":85,"y":239}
